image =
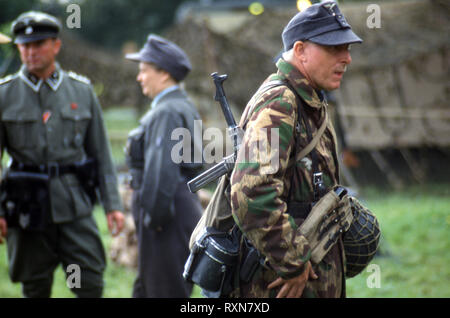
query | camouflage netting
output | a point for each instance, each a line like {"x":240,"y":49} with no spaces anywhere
{"x":113,"y":77}
{"x":246,"y":66}
{"x":394,"y":93}
{"x":397,"y":89}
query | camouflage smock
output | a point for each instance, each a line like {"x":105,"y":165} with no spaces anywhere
{"x":260,"y":189}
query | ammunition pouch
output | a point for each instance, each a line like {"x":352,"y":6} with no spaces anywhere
{"x":252,"y":260}
{"x":85,"y":170}
{"x":328,"y":219}
{"x":25,"y":200}
{"x":134,"y":148}
{"x":134,"y":156}
{"x":136,"y":177}
{"x":213,"y":261}
{"x":336,"y":215}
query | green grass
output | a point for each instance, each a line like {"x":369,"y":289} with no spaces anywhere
{"x":415,"y":245}
{"x":119,"y":122}
{"x":414,"y":258}
{"x":118,"y":279}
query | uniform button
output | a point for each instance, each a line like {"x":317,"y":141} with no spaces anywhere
{"x":78,"y":140}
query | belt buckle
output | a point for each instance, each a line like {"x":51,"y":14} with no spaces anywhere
{"x":53,"y":169}
{"x":318,"y":178}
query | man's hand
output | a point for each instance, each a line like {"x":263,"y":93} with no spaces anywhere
{"x":293,"y":288}
{"x":116,"y":222}
{"x":3,"y":229}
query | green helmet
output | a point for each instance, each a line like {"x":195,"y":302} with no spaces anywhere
{"x":361,"y":240}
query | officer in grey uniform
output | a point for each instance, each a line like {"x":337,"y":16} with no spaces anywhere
{"x":164,"y":210}
{"x":52,"y":128}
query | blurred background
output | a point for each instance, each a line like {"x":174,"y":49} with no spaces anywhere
{"x":391,"y":113}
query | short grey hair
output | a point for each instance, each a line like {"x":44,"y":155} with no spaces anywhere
{"x":288,"y":55}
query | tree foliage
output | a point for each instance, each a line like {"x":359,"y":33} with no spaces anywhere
{"x":110,"y":22}
{"x":107,"y":23}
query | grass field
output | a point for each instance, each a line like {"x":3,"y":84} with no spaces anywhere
{"x":414,"y":254}
{"x":415,"y":248}
{"x":119,"y":122}
{"x":414,"y":258}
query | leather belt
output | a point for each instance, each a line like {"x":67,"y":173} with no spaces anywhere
{"x":51,"y":169}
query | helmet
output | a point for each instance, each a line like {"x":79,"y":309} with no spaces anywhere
{"x":361,"y":240}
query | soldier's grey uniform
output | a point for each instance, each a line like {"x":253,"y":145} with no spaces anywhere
{"x":57,"y":122}
{"x":164,"y":210}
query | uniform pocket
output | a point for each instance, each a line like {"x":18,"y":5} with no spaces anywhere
{"x":134,"y":149}
{"x":75,"y":125}
{"x":22,"y":129}
{"x":82,"y":203}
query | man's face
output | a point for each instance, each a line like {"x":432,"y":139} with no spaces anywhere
{"x":151,"y":79}
{"x":325,"y":65}
{"x":39,"y":56}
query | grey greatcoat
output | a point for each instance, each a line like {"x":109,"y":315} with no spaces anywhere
{"x":164,"y":210}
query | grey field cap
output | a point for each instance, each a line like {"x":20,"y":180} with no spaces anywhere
{"x":321,"y":23}
{"x":33,"y":26}
{"x":164,"y":54}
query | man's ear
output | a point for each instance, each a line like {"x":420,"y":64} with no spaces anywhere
{"x":299,"y":51}
{"x":57,"y":45}
{"x":167,"y":78}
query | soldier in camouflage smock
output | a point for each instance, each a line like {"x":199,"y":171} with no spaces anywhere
{"x":316,"y":53}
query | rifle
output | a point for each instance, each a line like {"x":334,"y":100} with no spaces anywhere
{"x":234,"y":132}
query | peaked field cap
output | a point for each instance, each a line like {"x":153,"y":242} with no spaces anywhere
{"x":4,"y":38}
{"x":321,"y":23}
{"x":164,"y":54}
{"x":34,"y":26}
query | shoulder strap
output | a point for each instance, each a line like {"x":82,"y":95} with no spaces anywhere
{"x":79,"y":77}
{"x":314,"y":141}
{"x":8,"y":78}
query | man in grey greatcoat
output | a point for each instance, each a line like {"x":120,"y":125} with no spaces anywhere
{"x":165,"y":212}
